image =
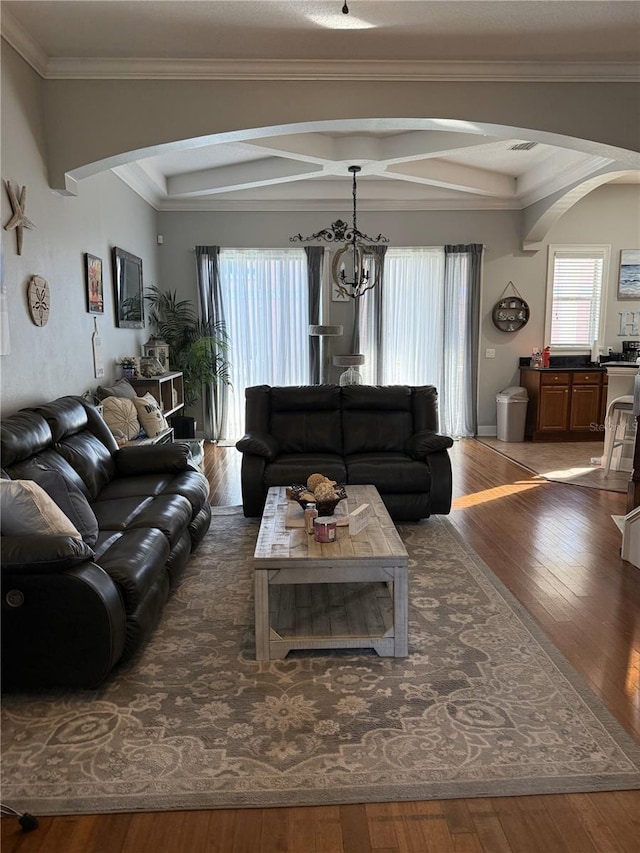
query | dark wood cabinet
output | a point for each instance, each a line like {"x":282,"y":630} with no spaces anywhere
{"x":553,"y":409}
{"x":585,"y":407}
{"x":564,"y":405}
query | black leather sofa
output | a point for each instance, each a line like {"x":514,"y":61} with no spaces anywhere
{"x":359,"y":434}
{"x":71,"y":610}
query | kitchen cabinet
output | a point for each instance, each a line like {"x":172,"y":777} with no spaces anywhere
{"x":168,"y":389}
{"x":564,"y":405}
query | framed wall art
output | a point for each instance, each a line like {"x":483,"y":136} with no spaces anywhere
{"x":93,"y":277}
{"x":629,"y":277}
{"x":127,"y":282}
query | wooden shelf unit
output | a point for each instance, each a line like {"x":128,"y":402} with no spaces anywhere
{"x":168,"y":389}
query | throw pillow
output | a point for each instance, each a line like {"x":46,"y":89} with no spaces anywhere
{"x":122,"y":388}
{"x":119,"y":413}
{"x":150,"y":415}
{"x":68,"y":497}
{"x":26,"y":509}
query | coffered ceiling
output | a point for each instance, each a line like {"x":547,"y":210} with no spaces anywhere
{"x":403,"y":166}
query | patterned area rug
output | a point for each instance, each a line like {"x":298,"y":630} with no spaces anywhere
{"x":563,"y":462}
{"x":483,"y":705}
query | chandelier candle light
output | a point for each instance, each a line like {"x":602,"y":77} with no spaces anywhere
{"x":356,"y":249}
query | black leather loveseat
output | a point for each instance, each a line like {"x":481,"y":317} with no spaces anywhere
{"x":73,"y":608}
{"x":359,"y":434}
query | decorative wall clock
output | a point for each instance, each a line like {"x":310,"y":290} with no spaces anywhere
{"x":510,"y":313}
{"x":39,"y":300}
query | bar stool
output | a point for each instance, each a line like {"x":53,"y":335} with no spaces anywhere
{"x":620,"y":414}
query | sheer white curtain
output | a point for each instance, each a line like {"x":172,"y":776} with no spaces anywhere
{"x":410,"y":311}
{"x":266,"y":303}
{"x":420,"y":328}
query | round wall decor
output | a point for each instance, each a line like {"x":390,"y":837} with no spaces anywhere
{"x":510,"y":313}
{"x":39,"y":300}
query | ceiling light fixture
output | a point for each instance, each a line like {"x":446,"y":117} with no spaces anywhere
{"x":355,"y":255}
{"x":345,"y":9}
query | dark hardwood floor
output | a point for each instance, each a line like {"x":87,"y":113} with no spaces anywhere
{"x":557,"y":549}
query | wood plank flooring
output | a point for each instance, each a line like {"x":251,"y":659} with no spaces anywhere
{"x":557,"y":549}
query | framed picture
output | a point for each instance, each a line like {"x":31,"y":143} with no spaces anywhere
{"x":95,"y":293}
{"x":127,"y":283}
{"x":629,"y":278}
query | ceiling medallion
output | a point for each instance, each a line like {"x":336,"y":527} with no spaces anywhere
{"x":354,"y":253}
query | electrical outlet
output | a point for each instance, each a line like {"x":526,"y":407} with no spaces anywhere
{"x":489,"y":353}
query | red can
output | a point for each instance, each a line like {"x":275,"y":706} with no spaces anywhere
{"x":324,"y":529}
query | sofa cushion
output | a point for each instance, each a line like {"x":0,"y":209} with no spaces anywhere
{"x":67,"y":496}
{"x":295,"y":468}
{"x":307,"y":432}
{"x":389,"y":472}
{"x":169,"y":513}
{"x":121,"y":415}
{"x":150,"y":415}
{"x":133,"y":559}
{"x":90,"y":458}
{"x":306,"y":419}
{"x":122,"y":388}
{"x":369,"y":431}
{"x":26,"y":509}
{"x":378,"y":398}
{"x":23,"y":434}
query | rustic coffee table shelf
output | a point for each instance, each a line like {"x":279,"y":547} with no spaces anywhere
{"x":298,"y":603}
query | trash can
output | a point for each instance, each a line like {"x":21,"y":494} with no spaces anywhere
{"x":512,"y":413}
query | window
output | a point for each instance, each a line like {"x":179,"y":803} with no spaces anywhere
{"x":265,"y":295}
{"x":575,"y":282}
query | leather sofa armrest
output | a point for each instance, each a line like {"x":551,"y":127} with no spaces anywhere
{"x":259,"y":444}
{"x":42,"y":554}
{"x":152,"y":459}
{"x":423,"y":443}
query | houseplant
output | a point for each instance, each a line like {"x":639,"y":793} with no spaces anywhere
{"x":197,"y":348}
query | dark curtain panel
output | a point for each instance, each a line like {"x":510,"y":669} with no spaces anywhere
{"x":315,"y":257}
{"x":466,"y":287}
{"x":214,"y":398}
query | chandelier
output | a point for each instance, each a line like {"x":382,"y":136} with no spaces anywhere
{"x":355,"y":257}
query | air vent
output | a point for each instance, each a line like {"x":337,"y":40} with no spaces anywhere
{"x":523,"y":146}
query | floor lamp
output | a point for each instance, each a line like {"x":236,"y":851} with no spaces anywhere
{"x":323,"y":332}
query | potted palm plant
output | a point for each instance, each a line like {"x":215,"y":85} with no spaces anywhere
{"x":197,"y":348}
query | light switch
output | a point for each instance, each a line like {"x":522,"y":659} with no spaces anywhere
{"x":489,"y":353}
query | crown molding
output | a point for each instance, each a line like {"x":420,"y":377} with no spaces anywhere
{"x":59,"y":68}
{"x":20,"y":40}
{"x":300,"y":69}
{"x":286,"y":205}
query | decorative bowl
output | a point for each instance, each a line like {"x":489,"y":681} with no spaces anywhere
{"x":324,"y":507}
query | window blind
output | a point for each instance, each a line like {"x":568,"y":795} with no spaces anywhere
{"x":576,"y":298}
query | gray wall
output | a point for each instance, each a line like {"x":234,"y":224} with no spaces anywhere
{"x":610,"y":215}
{"x":57,"y":359}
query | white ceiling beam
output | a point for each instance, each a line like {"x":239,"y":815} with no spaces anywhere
{"x":305,"y":147}
{"x":258,"y":173}
{"x":454,"y":176}
{"x":422,"y":144}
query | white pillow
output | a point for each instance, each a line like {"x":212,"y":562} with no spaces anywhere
{"x":25,"y":509}
{"x":119,"y":413}
{"x":150,"y":415}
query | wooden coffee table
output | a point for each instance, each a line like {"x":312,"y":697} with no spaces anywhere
{"x":348,"y":594}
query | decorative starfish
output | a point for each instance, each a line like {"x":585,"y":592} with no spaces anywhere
{"x":19,"y":219}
